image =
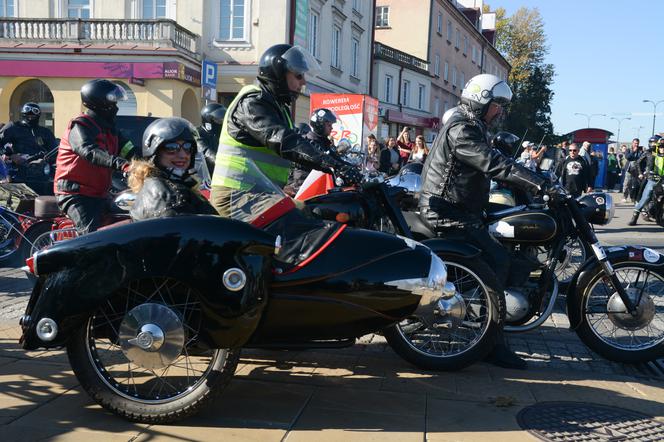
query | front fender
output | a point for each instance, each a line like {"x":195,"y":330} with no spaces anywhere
{"x":79,"y":275}
{"x":616,"y":255}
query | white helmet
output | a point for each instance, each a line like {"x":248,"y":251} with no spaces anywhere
{"x":482,"y":90}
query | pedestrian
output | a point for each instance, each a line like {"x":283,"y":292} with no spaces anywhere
{"x":420,"y":150}
{"x":405,"y":145}
{"x":584,"y":152}
{"x":526,"y":155}
{"x":631,"y":172}
{"x":595,"y":159}
{"x":575,"y":177}
{"x":163,"y":179}
{"x":389,"y":157}
{"x":612,"y":169}
{"x":372,"y":164}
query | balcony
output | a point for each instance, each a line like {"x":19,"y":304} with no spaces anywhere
{"x":400,"y":58}
{"x":154,"y":33}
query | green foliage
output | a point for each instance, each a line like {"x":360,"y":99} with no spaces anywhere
{"x":522,"y":41}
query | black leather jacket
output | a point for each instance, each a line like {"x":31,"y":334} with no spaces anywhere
{"x":208,"y":142}
{"x":161,"y":197}
{"x":259,"y":119}
{"x":299,"y":172}
{"x":458,"y":171}
{"x":27,"y":139}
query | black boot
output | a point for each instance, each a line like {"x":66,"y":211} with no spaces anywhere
{"x":635,"y":218}
{"x":504,"y":357}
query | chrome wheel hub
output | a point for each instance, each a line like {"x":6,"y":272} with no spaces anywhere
{"x":151,"y":336}
{"x":451,"y":311}
{"x":619,"y":316}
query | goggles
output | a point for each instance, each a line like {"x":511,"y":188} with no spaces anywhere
{"x":27,"y":109}
{"x":174,"y":147}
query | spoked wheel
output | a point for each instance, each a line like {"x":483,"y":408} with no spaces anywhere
{"x":50,"y":237}
{"x":8,"y":238}
{"x":614,"y":333}
{"x":573,"y":255}
{"x":456,"y":332}
{"x":138,"y":357}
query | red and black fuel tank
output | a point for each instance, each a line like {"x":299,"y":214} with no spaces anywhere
{"x":345,"y":290}
{"x":526,"y":226}
{"x":349,"y":207}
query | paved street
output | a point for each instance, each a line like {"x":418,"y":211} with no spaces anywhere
{"x":364,"y":392}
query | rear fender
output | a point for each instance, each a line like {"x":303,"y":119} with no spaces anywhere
{"x":452,"y":247}
{"x":616,"y":255}
{"x":79,"y":275}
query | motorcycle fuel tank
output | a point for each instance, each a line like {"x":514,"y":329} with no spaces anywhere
{"x":535,"y":227}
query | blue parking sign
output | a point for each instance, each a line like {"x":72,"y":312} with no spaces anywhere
{"x":209,"y":74}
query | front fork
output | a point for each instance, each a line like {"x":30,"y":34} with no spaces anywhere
{"x":587,"y":234}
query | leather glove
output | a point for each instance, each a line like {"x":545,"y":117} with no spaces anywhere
{"x":350,"y":173}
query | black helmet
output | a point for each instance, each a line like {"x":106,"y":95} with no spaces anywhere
{"x":168,"y":129}
{"x":303,"y":128}
{"x":318,"y":119}
{"x":652,"y":141}
{"x":213,"y":113}
{"x":279,"y":59}
{"x":506,"y":143}
{"x":102,"y":96}
{"x":30,"y":113}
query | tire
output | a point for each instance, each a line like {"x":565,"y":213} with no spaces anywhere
{"x":31,"y":236}
{"x":412,"y":338}
{"x":9,"y":240}
{"x":618,"y":336}
{"x":188,"y":377}
{"x":578,"y":253}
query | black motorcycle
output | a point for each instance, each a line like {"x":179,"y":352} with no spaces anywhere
{"x":154,"y":314}
{"x":656,"y":204}
{"x":615,"y":300}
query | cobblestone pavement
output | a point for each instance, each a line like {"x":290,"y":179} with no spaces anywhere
{"x":550,"y":347}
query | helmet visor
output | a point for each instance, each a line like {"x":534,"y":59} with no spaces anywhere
{"x":300,"y":61}
{"x":217,"y":115}
{"x":30,"y":109}
{"x":117,"y":94}
{"x":502,"y":94}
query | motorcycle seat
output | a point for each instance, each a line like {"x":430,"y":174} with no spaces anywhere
{"x":47,"y":207}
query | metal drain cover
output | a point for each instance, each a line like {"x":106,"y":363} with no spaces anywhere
{"x":579,"y":421}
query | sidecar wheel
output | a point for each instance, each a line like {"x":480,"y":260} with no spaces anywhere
{"x":137,"y":356}
{"x":608,"y":329}
{"x":466,"y":333}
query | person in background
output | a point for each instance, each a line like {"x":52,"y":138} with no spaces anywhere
{"x":612,"y":169}
{"x":654,"y":171}
{"x":575,"y":175}
{"x":405,"y":145}
{"x":584,"y":152}
{"x":89,"y":151}
{"x":526,"y":157}
{"x":420,"y":150}
{"x":212,"y":118}
{"x":630,"y":171}
{"x":163,"y":179}
{"x":389,"y":157}
{"x":536,"y":156}
{"x":595,"y":160}
{"x":372,"y":164}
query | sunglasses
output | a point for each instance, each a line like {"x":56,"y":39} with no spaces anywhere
{"x":574,"y":150}
{"x":31,"y":110}
{"x":174,"y":147}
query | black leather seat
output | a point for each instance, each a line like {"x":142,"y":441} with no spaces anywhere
{"x":47,"y":207}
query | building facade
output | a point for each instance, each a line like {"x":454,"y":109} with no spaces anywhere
{"x":456,"y":40}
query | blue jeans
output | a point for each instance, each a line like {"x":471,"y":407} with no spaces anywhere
{"x":645,"y":196}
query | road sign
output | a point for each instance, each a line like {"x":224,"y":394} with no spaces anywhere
{"x":209,"y":74}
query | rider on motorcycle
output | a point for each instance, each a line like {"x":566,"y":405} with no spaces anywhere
{"x":163,"y":179}
{"x":654,"y":168}
{"x":258,"y":127}
{"x":457,"y":175}
{"x":212,"y":117}
{"x":321,"y":122}
{"x":89,"y":151}
{"x":27,"y":138}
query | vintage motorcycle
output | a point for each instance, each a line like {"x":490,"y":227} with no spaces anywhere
{"x":615,"y":300}
{"x":656,"y":205}
{"x":154,"y":313}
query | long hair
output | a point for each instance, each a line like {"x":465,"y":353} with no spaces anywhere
{"x":139,"y":170}
{"x":424,"y":145}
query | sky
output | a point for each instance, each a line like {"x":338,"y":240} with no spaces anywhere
{"x":608,"y":57}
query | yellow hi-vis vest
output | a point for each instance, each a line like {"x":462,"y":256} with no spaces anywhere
{"x":659,"y":165}
{"x":230,"y":168}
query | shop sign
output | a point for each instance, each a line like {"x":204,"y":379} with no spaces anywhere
{"x":357,"y":116}
{"x":301,"y":22}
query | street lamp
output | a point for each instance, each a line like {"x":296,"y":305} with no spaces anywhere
{"x":589,"y":116}
{"x":638,"y":131}
{"x":619,"y":120}
{"x":654,"y":112}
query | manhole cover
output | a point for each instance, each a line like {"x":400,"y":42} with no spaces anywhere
{"x":578,"y":421}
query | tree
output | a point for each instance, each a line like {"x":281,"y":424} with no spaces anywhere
{"x":522,"y":41}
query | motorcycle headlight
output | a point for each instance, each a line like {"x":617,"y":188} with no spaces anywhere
{"x":610,"y":208}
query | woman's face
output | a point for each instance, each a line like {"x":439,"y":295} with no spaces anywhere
{"x":391,"y":142}
{"x":175,"y":155}
{"x":419,"y":142}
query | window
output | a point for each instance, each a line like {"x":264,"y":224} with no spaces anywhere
{"x":446,"y":71}
{"x":389,"y":81}
{"x":465,"y":44}
{"x":474,"y":53}
{"x":154,"y":9}
{"x":382,"y":16}
{"x":314,"y":19}
{"x":436,"y":66}
{"x":449,"y":30}
{"x":439,"y":26}
{"x":421,"y":94}
{"x":231,"y":24}
{"x":355,"y":53}
{"x":405,"y":93}
{"x":436,"y":106}
{"x":454,"y":76}
{"x":336,"y":47}
{"x":7,"y":8}
{"x":446,"y":107}
{"x":462,"y":81}
{"x":457,"y":41}
{"x":357,"y":5}
{"x":78,"y":9}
